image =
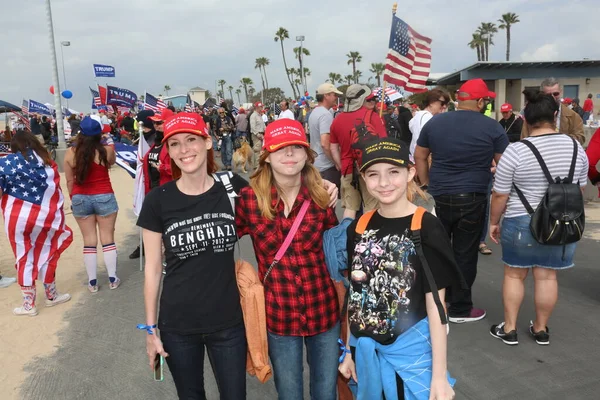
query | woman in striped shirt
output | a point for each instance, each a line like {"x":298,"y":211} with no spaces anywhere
{"x":518,"y":167}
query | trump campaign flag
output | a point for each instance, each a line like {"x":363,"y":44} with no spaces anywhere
{"x":38,"y":108}
{"x":104,"y":71}
{"x":120,"y":97}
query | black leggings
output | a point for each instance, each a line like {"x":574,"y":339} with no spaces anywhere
{"x":399,"y":383}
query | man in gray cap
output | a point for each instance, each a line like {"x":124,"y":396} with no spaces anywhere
{"x":353,"y":190}
{"x":319,"y":124}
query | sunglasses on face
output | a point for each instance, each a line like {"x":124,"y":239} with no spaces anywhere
{"x":158,"y":122}
{"x":444,"y":103}
{"x":556,"y":94}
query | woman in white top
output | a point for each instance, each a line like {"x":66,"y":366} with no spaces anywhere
{"x":519,"y":168}
{"x":435,"y":102}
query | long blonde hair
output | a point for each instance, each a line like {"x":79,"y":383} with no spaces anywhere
{"x":263,"y":180}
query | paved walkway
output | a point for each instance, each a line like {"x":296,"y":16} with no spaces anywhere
{"x":102,"y":356}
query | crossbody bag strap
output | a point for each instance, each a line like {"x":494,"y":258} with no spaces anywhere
{"x":537,"y":155}
{"x":415,"y":227}
{"x":288,"y":238}
{"x":573,"y":162}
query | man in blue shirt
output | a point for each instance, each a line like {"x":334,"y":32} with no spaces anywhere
{"x":462,"y":145}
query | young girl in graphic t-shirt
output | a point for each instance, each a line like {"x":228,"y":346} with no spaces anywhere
{"x":390,"y":305}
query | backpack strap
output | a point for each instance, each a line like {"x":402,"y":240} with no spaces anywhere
{"x":573,"y":161}
{"x":528,"y":207}
{"x":537,"y":155}
{"x":415,"y":227}
{"x":225,"y":178}
{"x":363,"y":221}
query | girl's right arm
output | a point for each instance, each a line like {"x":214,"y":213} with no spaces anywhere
{"x":347,"y":367}
{"x":152,"y":278}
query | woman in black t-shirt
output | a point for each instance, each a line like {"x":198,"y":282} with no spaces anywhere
{"x":200,"y":303}
{"x":390,"y":303}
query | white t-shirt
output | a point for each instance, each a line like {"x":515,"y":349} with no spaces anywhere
{"x":286,"y":114}
{"x":518,"y":165}
{"x":265,"y":118}
{"x":415,"y":125}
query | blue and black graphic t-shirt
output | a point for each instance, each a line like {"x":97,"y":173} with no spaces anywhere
{"x":387,"y":285}
{"x":200,"y":293}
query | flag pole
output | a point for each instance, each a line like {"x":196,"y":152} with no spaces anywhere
{"x":382,"y":94}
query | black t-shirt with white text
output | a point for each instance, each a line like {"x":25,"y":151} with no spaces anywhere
{"x":200,"y":293}
{"x":387,"y":283}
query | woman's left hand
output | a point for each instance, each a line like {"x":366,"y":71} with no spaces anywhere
{"x":495,"y":233}
{"x":441,"y":390}
{"x":332,"y":190}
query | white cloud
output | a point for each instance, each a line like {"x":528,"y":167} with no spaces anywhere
{"x":547,"y":52}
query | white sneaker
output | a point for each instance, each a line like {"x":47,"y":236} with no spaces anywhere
{"x":6,"y":281}
{"x":93,"y":289}
{"x":23,"y":311}
{"x":63,"y":298}
{"x":115,"y":284}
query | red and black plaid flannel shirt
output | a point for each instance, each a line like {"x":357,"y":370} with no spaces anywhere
{"x":300,"y":297}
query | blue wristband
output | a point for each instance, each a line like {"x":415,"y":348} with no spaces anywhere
{"x":344,"y":350}
{"x":147,"y":328}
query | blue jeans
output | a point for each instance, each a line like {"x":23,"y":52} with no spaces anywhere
{"x":227,"y":355}
{"x":462,"y":216}
{"x":322,"y":357}
{"x":226,"y":150}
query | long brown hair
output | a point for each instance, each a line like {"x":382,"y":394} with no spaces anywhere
{"x":85,"y":153}
{"x":211,"y":165}
{"x":263,"y":180}
{"x":22,"y":141}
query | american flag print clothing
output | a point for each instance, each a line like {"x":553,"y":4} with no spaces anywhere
{"x":408,"y":61}
{"x":153,"y":103}
{"x":300,"y":298}
{"x":34,"y":220}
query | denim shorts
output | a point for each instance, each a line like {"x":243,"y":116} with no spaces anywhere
{"x":101,"y":205}
{"x":521,"y":250}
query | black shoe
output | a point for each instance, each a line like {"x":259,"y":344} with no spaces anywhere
{"x":135,"y":254}
{"x":542,"y":337}
{"x":509,"y":338}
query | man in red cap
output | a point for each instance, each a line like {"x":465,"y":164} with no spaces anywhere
{"x":511,"y":123}
{"x":463,"y":144}
{"x":257,"y":128}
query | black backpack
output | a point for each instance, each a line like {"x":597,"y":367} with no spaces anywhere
{"x":560,"y":217}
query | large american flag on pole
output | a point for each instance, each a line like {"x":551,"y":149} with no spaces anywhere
{"x":153,"y":103}
{"x":96,"y":96}
{"x":34,"y":220}
{"x":408,"y":61}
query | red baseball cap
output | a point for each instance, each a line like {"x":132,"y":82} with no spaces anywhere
{"x":185,"y":123}
{"x":284,"y":132}
{"x":258,"y":104}
{"x":568,"y":100}
{"x":474,"y":89}
{"x":163,"y":115}
{"x":506,"y":107}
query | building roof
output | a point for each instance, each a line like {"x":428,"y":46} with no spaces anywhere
{"x":197,"y":89}
{"x":492,"y":70}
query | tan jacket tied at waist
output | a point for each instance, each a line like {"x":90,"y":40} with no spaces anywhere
{"x":570,"y":124}
{"x":252,"y":299}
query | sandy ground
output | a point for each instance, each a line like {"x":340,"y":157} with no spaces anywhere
{"x":24,"y":338}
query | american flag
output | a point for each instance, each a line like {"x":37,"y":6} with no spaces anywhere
{"x":4,"y":149}
{"x":235,"y":111}
{"x":24,"y":120}
{"x":276,"y":109}
{"x":408,"y":61}
{"x":189,"y":104}
{"x":96,"y":96}
{"x":153,"y":103}
{"x":34,"y":220}
{"x":25,"y":106}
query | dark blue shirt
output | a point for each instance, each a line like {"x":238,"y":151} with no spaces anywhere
{"x":462,"y":145}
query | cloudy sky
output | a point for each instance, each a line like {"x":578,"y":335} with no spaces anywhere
{"x":186,"y":43}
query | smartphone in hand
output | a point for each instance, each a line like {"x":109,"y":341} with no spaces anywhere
{"x":158,"y":368}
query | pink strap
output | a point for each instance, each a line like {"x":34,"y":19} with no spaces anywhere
{"x":292,"y":232}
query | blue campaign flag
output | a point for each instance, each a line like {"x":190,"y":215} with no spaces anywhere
{"x":120,"y":97}
{"x":38,"y":108}
{"x":104,"y":71}
{"x":126,"y":157}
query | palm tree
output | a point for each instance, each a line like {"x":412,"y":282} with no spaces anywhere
{"x":305,"y":52}
{"x":487,"y":30}
{"x":377,"y":69}
{"x":261,"y":63}
{"x":245,"y":83}
{"x":477,"y":43}
{"x":251,"y":91}
{"x":166,"y":89}
{"x":353,"y":58}
{"x":230,"y":89}
{"x":238,"y":91}
{"x":349,"y":79}
{"x":280,"y":36}
{"x":508,"y":20}
{"x":222,"y":83}
{"x":333,"y":78}
{"x":258,"y":65}
{"x":357,"y":75}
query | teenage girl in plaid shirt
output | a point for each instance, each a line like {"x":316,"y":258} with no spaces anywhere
{"x":301,"y":302}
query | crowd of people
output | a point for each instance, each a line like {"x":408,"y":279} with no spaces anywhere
{"x":422,"y":188}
